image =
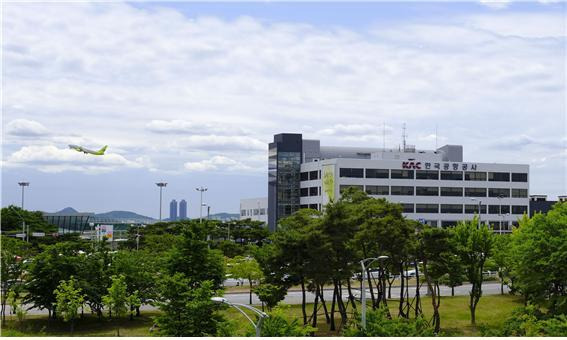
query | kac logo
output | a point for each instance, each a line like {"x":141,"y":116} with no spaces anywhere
{"x":411,"y":165}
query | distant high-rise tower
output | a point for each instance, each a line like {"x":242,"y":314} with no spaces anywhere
{"x":182,"y":210}
{"x":173,"y":210}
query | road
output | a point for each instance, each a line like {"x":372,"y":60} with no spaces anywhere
{"x":294,"y":297}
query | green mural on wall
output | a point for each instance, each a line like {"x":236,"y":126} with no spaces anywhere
{"x":329,"y":181}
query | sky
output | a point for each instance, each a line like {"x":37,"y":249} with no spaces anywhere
{"x":191,"y":93}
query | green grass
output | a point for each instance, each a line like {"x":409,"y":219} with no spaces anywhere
{"x":455,"y":319}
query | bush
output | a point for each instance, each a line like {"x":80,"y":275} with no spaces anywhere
{"x":530,"y":321}
{"x":278,"y":324}
{"x":378,"y":324}
{"x":270,"y":294}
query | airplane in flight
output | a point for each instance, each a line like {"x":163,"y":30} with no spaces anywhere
{"x":86,"y":151}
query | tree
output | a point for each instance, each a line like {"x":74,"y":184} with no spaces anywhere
{"x":245,"y":267}
{"x":501,"y":258}
{"x":455,"y":275}
{"x":270,"y":294}
{"x":12,"y":216}
{"x":473,"y":245}
{"x":538,"y":254}
{"x":192,"y":257}
{"x":69,"y":298}
{"x":117,"y":299}
{"x":134,"y":302}
{"x":187,"y":311}
{"x":47,"y":269}
{"x":12,"y":255}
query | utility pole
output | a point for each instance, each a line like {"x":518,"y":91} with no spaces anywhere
{"x":23,"y":185}
{"x":161,"y":185}
{"x":202,"y":190}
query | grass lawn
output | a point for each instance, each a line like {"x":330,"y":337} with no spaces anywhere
{"x":455,"y":319}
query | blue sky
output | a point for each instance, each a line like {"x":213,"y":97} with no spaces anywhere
{"x":191,"y":93}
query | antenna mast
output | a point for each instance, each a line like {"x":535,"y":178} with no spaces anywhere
{"x":404,"y":136}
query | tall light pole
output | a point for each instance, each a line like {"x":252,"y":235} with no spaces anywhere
{"x":23,"y":185}
{"x":479,"y":209}
{"x":161,"y":185}
{"x":363,"y":289}
{"x":261,"y":315}
{"x":202,"y":190}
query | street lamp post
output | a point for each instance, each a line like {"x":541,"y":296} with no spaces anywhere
{"x":261,"y":315}
{"x":479,"y":210}
{"x":161,"y":185}
{"x":23,"y":185}
{"x":202,"y":190}
{"x":363,"y":289}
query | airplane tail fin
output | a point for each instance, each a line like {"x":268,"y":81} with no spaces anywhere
{"x":101,"y":151}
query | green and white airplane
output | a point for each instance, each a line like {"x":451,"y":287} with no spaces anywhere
{"x":85,"y":150}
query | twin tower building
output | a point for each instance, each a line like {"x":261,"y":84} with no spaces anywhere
{"x":173,"y":210}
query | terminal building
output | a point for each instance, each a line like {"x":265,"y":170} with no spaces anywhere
{"x":435,"y":187}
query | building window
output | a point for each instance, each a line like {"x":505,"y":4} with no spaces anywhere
{"x":519,"y":193}
{"x":377,"y":190}
{"x":352,"y":172}
{"x":314,"y":191}
{"x":446,"y":224}
{"x":426,"y":191}
{"x":475,"y":192}
{"x":448,"y":191}
{"x":473,"y":209}
{"x":519,"y":177}
{"x":304,"y":206}
{"x":452,"y":175}
{"x":377,"y":173}
{"x":519,"y":209}
{"x":496,"y":192}
{"x":475,"y":176}
{"x":304,"y":192}
{"x":401,"y":191}
{"x":304,"y":176}
{"x":494,"y":209}
{"x":499,"y":177}
{"x":407,"y":207}
{"x":505,"y":209}
{"x":242,"y":212}
{"x":313,"y":206}
{"x":426,"y":174}
{"x":402,"y":174}
{"x":263,"y":211}
{"x":344,"y":187}
{"x":313,"y":175}
{"x":427,"y":208}
{"x":451,"y":209}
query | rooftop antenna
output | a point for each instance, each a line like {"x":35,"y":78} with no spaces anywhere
{"x":404,"y":136}
{"x":384,"y":135}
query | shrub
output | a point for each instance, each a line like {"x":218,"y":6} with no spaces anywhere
{"x":378,"y":324}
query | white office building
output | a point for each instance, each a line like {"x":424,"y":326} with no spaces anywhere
{"x":434,"y":186}
{"x":255,"y":209}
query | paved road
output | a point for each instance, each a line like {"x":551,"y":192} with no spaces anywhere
{"x":294,"y":297}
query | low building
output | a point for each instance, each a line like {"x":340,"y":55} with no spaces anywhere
{"x":540,"y":204}
{"x":254,"y":208}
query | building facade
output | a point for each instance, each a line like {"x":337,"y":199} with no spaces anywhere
{"x":183,"y":210}
{"x":255,"y":209}
{"x":173,"y":210}
{"x":434,"y":186}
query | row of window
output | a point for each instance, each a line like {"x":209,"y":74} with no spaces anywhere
{"x":252,"y":212}
{"x":436,"y":191}
{"x":462,"y":209}
{"x":433,"y":175}
{"x":310,"y":175}
{"x":313,"y":191}
{"x":310,"y":206}
{"x":497,"y":225}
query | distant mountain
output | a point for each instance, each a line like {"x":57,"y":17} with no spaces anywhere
{"x":225,"y":216}
{"x":123,"y":215}
{"x":67,"y":210}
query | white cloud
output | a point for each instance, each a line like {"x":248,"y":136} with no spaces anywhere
{"x":142,"y":80}
{"x":216,"y":163}
{"x":496,"y":4}
{"x":26,"y":128}
{"x":49,"y":158}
